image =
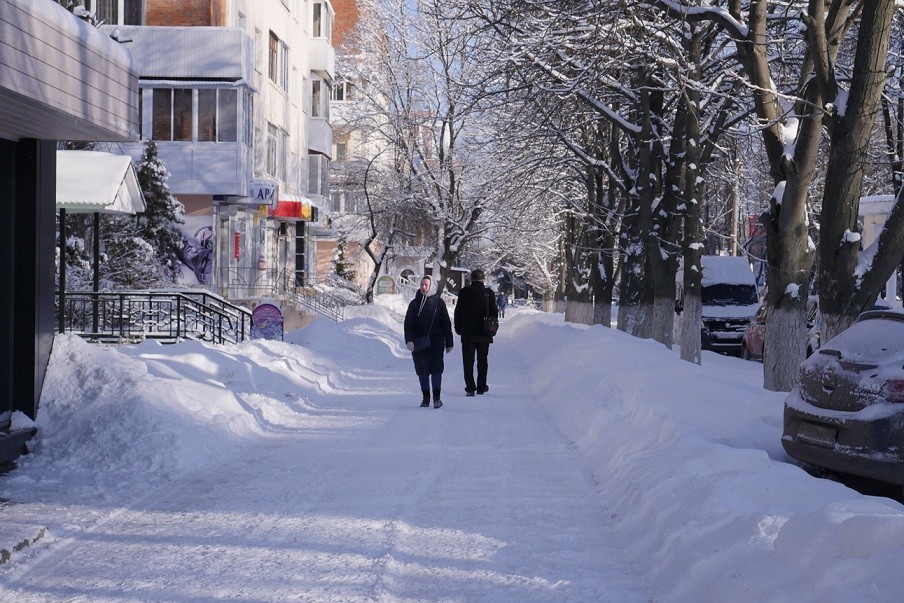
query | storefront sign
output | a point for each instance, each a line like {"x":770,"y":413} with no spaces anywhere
{"x":236,"y":244}
{"x":263,"y":192}
{"x":385,"y":285}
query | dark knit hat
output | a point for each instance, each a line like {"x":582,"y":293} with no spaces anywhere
{"x":477,"y":275}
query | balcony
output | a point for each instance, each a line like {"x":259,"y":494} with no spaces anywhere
{"x":323,"y":58}
{"x":320,"y":136}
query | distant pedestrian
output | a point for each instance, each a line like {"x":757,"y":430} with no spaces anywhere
{"x":428,"y":332}
{"x":475,"y":302}
{"x":501,"y":303}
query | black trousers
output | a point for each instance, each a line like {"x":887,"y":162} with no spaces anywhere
{"x":480,"y":351}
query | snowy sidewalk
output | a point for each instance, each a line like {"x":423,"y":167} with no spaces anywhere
{"x":356,"y":495}
{"x":600,"y":467}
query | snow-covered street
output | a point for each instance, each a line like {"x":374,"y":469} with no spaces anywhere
{"x":599,"y":467}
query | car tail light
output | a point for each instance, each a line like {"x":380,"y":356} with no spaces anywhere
{"x":893,"y":390}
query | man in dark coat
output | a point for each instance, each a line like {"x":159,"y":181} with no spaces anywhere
{"x":475,"y":302}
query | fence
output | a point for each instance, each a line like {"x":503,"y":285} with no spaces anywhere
{"x":126,"y":316}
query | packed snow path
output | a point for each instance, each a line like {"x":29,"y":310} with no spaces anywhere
{"x":360,"y":496}
{"x":600,"y":467}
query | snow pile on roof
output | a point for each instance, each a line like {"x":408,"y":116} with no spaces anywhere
{"x":727,"y":270}
{"x":93,"y":181}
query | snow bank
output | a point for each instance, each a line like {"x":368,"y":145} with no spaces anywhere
{"x":692,"y":460}
{"x":686,"y":459}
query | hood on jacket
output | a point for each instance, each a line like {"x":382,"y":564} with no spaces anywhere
{"x":433,"y":287}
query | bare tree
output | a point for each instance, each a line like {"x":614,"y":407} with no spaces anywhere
{"x":819,"y":98}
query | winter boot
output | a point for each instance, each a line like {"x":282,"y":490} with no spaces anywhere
{"x":436,"y":401}
{"x":425,"y":403}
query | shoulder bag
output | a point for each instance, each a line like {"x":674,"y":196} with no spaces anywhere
{"x":490,"y":323}
{"x":422,"y":343}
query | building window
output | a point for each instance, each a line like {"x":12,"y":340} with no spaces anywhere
{"x":278,"y":66}
{"x":248,"y":100}
{"x":216,"y":114}
{"x":272,"y":165}
{"x":227,"y":115}
{"x":318,"y":175}
{"x":320,"y":25}
{"x":316,"y":98}
{"x":341,"y":151}
{"x":113,"y":12}
{"x":343,"y":90}
{"x":283,"y":152}
{"x":283,"y":66}
{"x":162,"y":115}
{"x":273,"y":56}
{"x":172,"y":114}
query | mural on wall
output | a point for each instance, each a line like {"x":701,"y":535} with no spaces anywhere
{"x":197,"y":250}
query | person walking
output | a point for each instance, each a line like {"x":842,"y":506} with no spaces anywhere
{"x":428,"y":332}
{"x":501,"y":303}
{"x":475,"y":302}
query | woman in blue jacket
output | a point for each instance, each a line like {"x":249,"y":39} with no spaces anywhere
{"x":428,"y":333}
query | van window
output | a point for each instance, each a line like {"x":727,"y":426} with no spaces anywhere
{"x":729,"y":295}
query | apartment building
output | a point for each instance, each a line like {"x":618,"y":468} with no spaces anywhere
{"x":235,"y":93}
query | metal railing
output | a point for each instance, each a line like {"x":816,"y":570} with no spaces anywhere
{"x":169,"y":316}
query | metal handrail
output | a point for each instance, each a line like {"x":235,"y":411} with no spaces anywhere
{"x":128,"y":316}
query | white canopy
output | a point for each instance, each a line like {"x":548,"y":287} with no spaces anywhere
{"x":92,"y":181}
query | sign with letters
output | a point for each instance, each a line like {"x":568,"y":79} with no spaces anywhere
{"x":262,"y":192}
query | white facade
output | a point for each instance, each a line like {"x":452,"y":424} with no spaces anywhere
{"x":235,"y":104}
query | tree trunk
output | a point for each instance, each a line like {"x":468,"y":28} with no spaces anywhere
{"x":579,"y":312}
{"x":850,"y":138}
{"x":789,"y":321}
{"x":691,"y":325}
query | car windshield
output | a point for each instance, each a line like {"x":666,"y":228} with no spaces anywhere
{"x":871,"y":340}
{"x":729,"y":295}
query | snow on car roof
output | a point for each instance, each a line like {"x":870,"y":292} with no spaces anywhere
{"x":728,"y":270}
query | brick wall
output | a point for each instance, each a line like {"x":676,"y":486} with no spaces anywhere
{"x":347,"y":14}
{"x":186,"y":12}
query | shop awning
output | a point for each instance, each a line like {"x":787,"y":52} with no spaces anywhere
{"x":292,"y":207}
{"x":96,"y":182}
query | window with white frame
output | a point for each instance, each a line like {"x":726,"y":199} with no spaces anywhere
{"x":283,"y":153}
{"x":278,"y":62}
{"x":283,"y":66}
{"x":318,"y":175}
{"x":272,"y":166}
{"x":343,"y":90}
{"x":186,"y":114}
{"x":273,"y":57}
{"x":113,"y":12}
{"x":321,"y":27}
{"x":248,"y":106}
{"x":316,"y":98}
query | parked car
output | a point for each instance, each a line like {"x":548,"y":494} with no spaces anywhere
{"x":730,"y":299}
{"x":847,"y":412}
{"x":754,"y":340}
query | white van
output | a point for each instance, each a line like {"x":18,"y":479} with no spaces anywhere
{"x":730,"y":300}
